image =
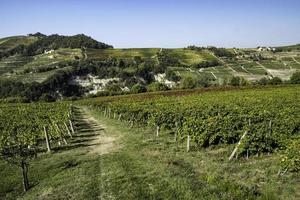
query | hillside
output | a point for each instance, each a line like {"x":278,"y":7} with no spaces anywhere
{"x":63,"y":66}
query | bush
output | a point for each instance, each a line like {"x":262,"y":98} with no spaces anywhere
{"x":113,"y":88}
{"x":156,"y":86}
{"x":138,"y":88}
{"x":204,"y":81}
{"x":172,"y":76}
{"x":235,"y":81}
{"x":295,"y":78}
{"x":206,"y":64}
{"x":47,"y":98}
{"x":275,"y":81}
{"x":263,"y":81}
{"x":189,"y":83}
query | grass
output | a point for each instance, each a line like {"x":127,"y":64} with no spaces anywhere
{"x":147,"y":167}
{"x":190,"y":57}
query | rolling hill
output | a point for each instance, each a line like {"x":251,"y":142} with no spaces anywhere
{"x":88,"y":65}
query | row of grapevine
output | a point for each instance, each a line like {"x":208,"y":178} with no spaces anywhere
{"x":25,"y":124}
{"x":271,"y":116}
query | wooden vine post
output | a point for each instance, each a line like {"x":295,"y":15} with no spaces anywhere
{"x":68,"y":131}
{"x":47,"y":140}
{"x":237,"y":146}
{"x":157,"y":131}
{"x":188,"y":143}
{"x":72,"y":127}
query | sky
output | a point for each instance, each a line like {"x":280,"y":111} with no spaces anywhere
{"x":158,"y":23}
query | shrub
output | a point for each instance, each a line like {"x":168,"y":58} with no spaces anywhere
{"x":275,"y":81}
{"x":113,"y":88}
{"x":235,"y":81}
{"x":156,"y":86}
{"x":189,"y":83}
{"x":263,"y":81}
{"x":172,"y":76}
{"x":138,"y":88}
{"x":295,"y":78}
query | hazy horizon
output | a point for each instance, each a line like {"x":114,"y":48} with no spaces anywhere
{"x":166,"y":24}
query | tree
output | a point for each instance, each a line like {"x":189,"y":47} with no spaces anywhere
{"x":137,"y":60}
{"x":145,"y":72}
{"x":204,"y":81}
{"x":138,"y":88}
{"x":189,"y":83}
{"x":295,"y":78}
{"x":121,"y":63}
{"x":172,"y":76}
{"x":275,"y":81}
{"x":263,"y":81}
{"x":156,"y":86}
{"x":235,"y":81}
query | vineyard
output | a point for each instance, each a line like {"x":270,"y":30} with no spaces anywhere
{"x":216,"y":143}
{"x":25,"y":128}
{"x":268,"y":119}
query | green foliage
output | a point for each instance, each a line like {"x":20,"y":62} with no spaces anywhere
{"x":22,"y":124}
{"x":138,"y":88}
{"x":238,"y":81}
{"x":235,"y":81}
{"x":275,"y":81}
{"x":290,"y":160}
{"x":156,"y":86}
{"x":172,"y":76}
{"x":221,"y":52}
{"x":205,"y":81}
{"x":57,"y":41}
{"x":206,"y":64}
{"x":189,"y":82}
{"x":263,"y":81}
{"x":271,"y":116}
{"x":295,"y":78}
{"x":113,"y":87}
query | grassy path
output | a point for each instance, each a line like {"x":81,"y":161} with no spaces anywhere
{"x":104,"y":142}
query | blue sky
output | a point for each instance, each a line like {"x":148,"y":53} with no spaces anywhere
{"x":158,"y":23}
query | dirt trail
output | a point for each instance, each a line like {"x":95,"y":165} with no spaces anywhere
{"x":102,"y":143}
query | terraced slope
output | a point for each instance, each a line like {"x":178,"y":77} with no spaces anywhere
{"x":14,"y":41}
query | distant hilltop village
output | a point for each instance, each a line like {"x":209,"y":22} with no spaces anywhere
{"x":266,"y":49}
